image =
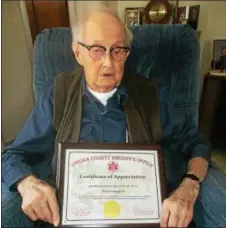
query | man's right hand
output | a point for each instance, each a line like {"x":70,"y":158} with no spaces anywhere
{"x":39,"y":200}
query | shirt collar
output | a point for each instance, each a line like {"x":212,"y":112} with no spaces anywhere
{"x":121,"y":92}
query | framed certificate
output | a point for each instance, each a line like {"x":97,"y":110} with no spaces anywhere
{"x":110,"y":185}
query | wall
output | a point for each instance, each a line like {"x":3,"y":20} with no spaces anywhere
{"x":17,"y":96}
{"x":212,"y":24}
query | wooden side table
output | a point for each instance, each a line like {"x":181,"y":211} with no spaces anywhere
{"x":212,"y":110}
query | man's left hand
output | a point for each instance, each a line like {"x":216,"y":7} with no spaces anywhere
{"x":177,"y":210}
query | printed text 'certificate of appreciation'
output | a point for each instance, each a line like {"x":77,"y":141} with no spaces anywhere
{"x":111,"y":187}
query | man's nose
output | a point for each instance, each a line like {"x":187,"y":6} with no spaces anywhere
{"x":107,"y":60}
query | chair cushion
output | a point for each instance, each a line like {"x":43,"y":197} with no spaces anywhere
{"x":52,"y":55}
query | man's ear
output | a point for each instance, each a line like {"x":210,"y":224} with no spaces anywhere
{"x":75,"y":48}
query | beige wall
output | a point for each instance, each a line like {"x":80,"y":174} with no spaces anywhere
{"x":212,"y":24}
{"x":17,"y":97}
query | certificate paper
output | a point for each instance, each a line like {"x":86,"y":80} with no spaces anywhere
{"x":111,"y":187}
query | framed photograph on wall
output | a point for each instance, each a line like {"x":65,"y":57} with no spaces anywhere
{"x":219,"y":54}
{"x":132,"y":17}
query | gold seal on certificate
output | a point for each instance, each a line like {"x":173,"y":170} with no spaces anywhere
{"x":102,"y":185}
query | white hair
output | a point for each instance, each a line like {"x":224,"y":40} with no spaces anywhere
{"x":78,"y":26}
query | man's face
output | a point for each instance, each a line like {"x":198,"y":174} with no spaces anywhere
{"x":102,"y":71}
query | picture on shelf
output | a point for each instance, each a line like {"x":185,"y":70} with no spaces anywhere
{"x":182,"y":15}
{"x":193,"y":18}
{"x":188,"y":15}
{"x":133,"y":16}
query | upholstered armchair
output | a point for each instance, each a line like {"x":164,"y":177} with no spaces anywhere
{"x":168,"y":54}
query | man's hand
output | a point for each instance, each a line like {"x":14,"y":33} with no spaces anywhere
{"x":39,"y":200}
{"x":177,"y":210}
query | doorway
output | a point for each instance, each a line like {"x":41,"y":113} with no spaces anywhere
{"x":43,"y":14}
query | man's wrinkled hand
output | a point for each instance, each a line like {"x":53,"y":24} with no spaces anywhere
{"x":39,"y":200}
{"x":177,"y":210}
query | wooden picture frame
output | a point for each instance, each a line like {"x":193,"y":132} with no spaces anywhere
{"x":193,"y":18}
{"x":182,"y":15}
{"x":132,"y":17}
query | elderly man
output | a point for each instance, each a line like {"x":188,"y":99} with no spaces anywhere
{"x":99,"y":103}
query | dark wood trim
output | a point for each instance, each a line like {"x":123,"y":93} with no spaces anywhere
{"x":46,"y":14}
{"x":175,"y":12}
{"x":212,"y":96}
{"x":31,"y":18}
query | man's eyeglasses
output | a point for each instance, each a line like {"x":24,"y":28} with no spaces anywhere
{"x":98,"y":52}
